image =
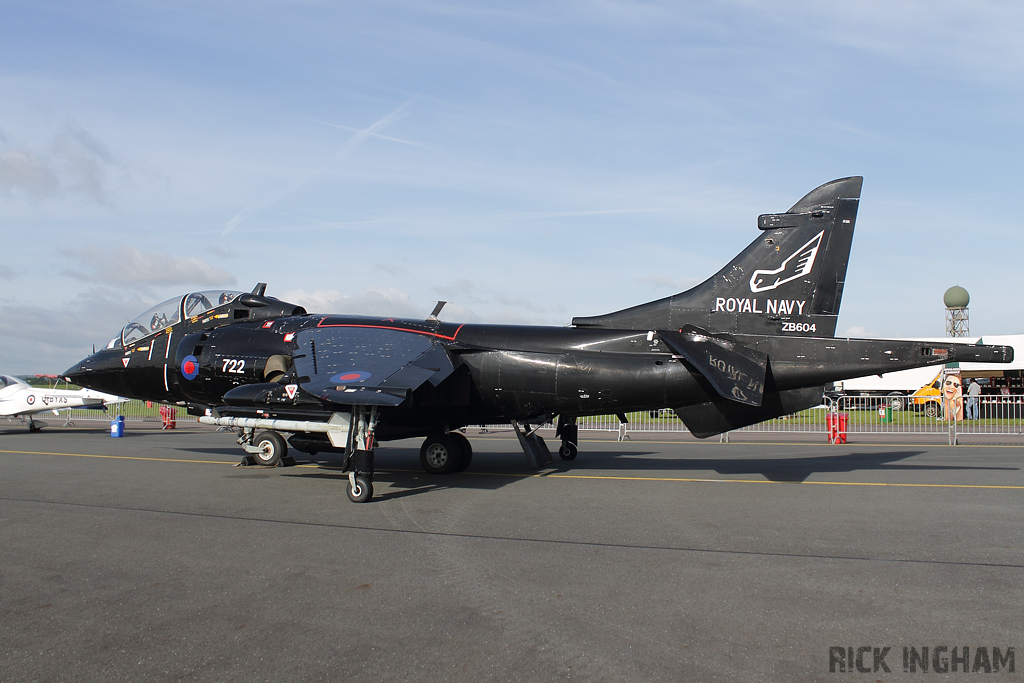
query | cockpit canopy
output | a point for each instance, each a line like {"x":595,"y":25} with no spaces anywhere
{"x":8,"y":381}
{"x":170,"y":312}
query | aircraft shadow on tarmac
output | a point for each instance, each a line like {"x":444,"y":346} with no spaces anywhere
{"x":778,"y":469}
{"x":781,"y":469}
{"x":399,"y":467}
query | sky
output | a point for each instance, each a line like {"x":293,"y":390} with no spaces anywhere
{"x":526,"y":161}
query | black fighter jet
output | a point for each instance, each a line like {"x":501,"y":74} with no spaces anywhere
{"x":753,"y":342}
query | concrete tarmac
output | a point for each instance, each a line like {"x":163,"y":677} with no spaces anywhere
{"x":151,"y":557}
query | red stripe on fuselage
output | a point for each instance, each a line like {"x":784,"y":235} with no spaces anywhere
{"x":397,"y":329}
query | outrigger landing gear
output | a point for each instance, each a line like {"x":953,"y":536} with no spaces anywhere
{"x":359,"y":454}
{"x":537,"y":453}
{"x":570,"y":433}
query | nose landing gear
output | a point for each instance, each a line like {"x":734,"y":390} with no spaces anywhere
{"x":272,"y":449}
{"x":267,"y":448}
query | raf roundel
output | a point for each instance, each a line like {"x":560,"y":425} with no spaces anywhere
{"x":190,"y":367}
{"x":351,"y":376}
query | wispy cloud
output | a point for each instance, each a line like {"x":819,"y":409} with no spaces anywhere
{"x":980,"y":38}
{"x":130,"y":266}
{"x":661,"y":281}
{"x":286,"y":190}
{"x":371,"y":301}
{"x":75,"y":162}
{"x":30,"y":343}
{"x":28,"y":171}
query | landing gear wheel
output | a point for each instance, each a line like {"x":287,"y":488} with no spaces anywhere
{"x":465,"y":448}
{"x":272,"y":449}
{"x":362,"y":491}
{"x":567,"y":451}
{"x":34,"y":428}
{"x":440,"y":454}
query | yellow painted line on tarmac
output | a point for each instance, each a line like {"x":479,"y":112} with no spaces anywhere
{"x":560,"y":475}
{"x":120,"y":457}
{"x":788,"y":443}
{"x":699,"y":480}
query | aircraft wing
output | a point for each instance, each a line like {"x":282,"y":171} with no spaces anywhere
{"x":366,"y":365}
{"x":735,"y":371}
{"x":32,"y":400}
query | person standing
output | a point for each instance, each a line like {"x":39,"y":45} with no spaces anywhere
{"x":973,"y":399}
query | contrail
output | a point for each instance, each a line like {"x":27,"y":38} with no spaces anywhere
{"x":382,"y":137}
{"x":283,"y":192}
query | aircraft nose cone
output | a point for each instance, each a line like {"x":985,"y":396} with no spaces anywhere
{"x":78,"y":373}
{"x":97,"y":372}
{"x":74,"y":370}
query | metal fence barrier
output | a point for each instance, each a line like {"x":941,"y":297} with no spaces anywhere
{"x":132,"y":411}
{"x":861,"y":414}
{"x":1002,"y":414}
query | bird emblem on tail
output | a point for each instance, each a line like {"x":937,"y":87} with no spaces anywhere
{"x":796,"y":266}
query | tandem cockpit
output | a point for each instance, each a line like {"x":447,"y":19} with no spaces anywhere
{"x":163,"y":315}
{"x":208,"y":308}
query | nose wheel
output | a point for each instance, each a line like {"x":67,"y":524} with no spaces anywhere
{"x":272,"y":448}
{"x":360,"y":488}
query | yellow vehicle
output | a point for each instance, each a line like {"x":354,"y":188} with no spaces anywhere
{"x":928,"y":398}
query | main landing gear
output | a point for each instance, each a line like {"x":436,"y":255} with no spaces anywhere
{"x":359,"y":454}
{"x":446,"y":453}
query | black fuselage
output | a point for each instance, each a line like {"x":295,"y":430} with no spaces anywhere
{"x":502,"y":372}
{"x":752,"y":342}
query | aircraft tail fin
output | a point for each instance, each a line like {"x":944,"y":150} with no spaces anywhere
{"x":788,"y":280}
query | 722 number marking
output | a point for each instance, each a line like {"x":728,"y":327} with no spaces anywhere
{"x":233,"y":366}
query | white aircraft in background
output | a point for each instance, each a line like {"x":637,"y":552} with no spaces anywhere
{"x":20,"y":399}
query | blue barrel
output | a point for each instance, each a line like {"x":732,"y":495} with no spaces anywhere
{"x":117,"y":427}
